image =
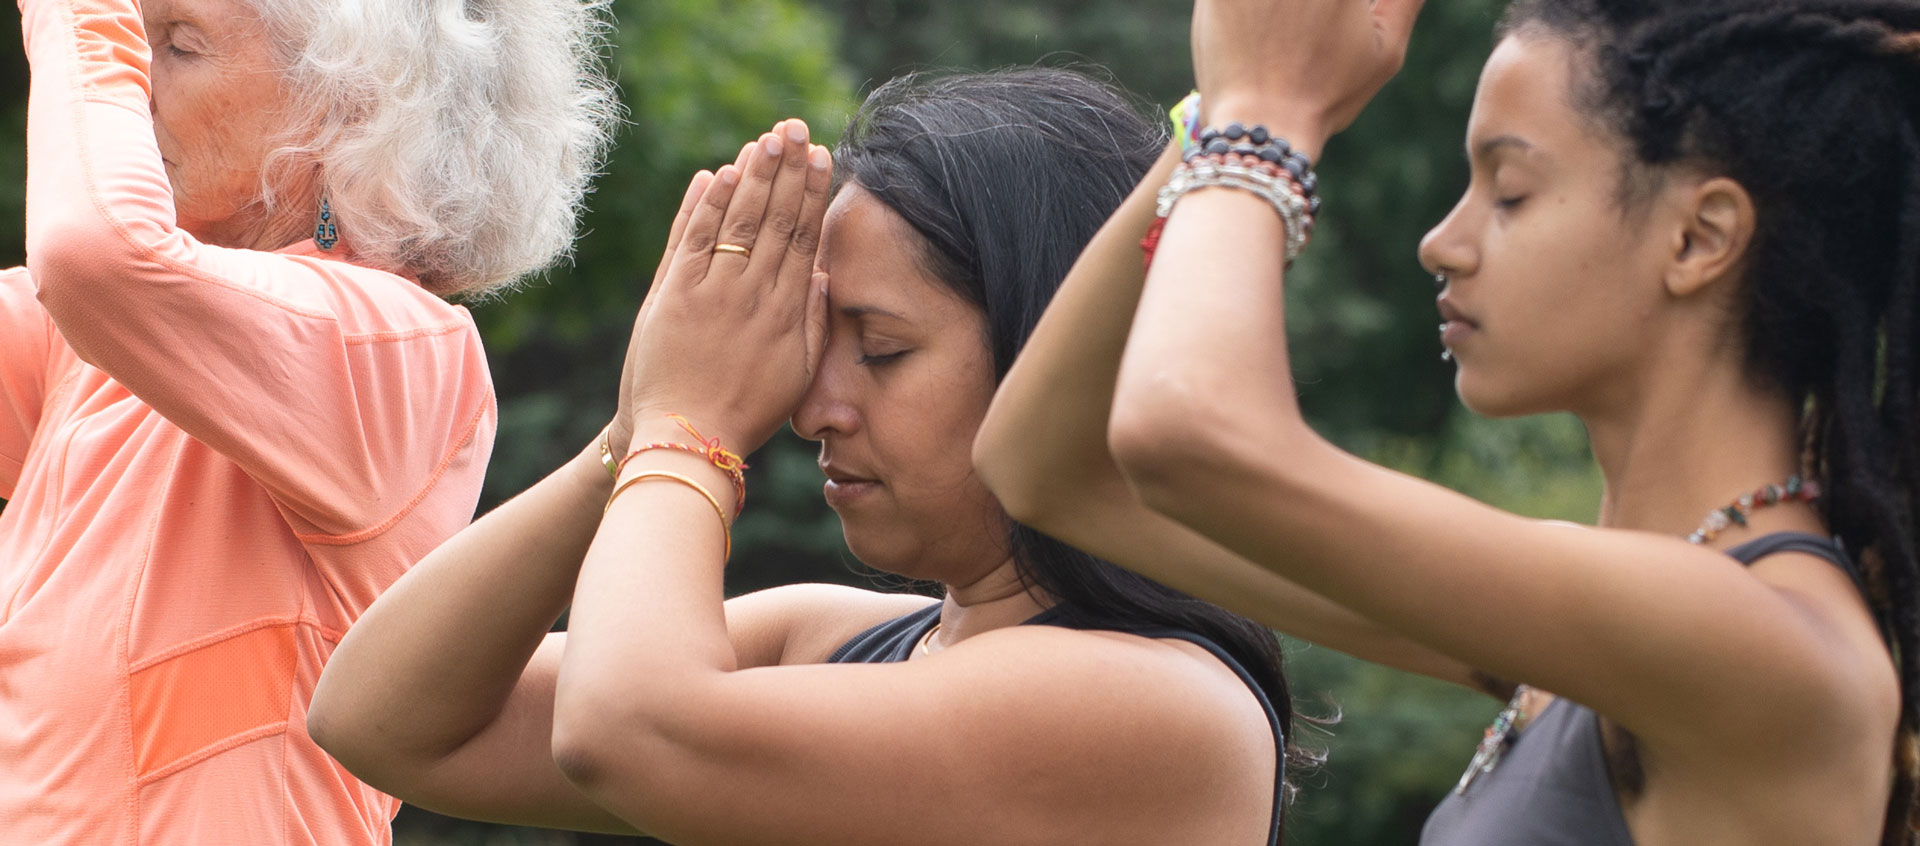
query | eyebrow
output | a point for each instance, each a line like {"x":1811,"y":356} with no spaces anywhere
{"x":1487,"y":148}
{"x":857,"y":311}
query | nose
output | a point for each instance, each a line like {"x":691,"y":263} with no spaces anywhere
{"x":827,"y":408}
{"x":1449,"y":247}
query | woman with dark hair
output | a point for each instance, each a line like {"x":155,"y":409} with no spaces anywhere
{"x":1694,"y":225}
{"x":1049,"y":698}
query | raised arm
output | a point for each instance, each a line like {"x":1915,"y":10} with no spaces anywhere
{"x":346,"y":392}
{"x":1043,"y":452}
{"x":26,"y":342}
{"x":1664,"y":637}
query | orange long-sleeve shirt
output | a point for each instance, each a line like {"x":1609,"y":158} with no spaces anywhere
{"x":214,"y":459}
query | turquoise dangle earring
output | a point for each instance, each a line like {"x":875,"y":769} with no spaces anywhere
{"x":324,"y":233}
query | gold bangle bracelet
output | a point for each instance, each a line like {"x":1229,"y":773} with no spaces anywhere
{"x":606,"y":453}
{"x":712,"y":500}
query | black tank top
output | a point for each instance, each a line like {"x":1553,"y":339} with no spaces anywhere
{"x":1553,"y":789}
{"x":894,"y":641}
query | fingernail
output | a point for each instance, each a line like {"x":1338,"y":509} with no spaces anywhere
{"x":820,"y":158}
{"x":771,"y":145}
{"x":729,"y":176}
{"x":796,"y":132}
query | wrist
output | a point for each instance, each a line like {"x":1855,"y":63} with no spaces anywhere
{"x":1301,"y":126}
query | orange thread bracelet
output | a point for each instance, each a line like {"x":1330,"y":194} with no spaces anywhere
{"x":710,"y":449}
{"x":725,"y":526}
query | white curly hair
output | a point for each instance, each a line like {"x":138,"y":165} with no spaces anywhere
{"x":455,"y":140}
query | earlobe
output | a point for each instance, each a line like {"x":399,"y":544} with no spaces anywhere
{"x":1718,"y":224}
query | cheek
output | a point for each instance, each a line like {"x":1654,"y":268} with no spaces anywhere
{"x":1570,"y":303}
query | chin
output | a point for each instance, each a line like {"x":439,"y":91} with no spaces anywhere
{"x":1493,"y":400}
{"x":878,"y":551}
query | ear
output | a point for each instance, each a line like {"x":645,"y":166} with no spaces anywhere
{"x":1717,"y":220}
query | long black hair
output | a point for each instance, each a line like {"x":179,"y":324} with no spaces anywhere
{"x":1813,"y":106}
{"x":1006,"y":176}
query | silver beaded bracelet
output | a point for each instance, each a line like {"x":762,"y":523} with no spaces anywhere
{"x":1283,"y":193}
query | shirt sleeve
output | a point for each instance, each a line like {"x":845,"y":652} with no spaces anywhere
{"x":26,"y":342}
{"x":345,"y":391}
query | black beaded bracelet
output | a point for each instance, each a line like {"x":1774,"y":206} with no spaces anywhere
{"x":1236,"y":138}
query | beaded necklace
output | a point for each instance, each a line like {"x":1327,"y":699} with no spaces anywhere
{"x":1499,"y":734}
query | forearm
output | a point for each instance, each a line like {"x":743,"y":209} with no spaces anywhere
{"x":647,"y":634}
{"x":432,"y":663}
{"x":1206,"y":378}
{"x":1046,"y":431}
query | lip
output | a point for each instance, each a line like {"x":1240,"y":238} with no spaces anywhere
{"x":846,"y":488}
{"x":1456,"y":326}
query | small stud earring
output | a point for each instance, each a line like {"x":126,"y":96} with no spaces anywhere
{"x":325,"y":235}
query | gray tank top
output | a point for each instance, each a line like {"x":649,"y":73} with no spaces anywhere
{"x":1551,"y":787}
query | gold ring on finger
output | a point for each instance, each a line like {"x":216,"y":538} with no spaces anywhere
{"x":736,"y":249}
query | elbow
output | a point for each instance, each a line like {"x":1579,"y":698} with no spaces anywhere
{"x":344,"y":733}
{"x":1021,"y":491}
{"x":1174,"y":445}
{"x":344,"y":739}
{"x":1157,"y":456}
{"x":623,"y":761}
{"x":331,"y":733}
{"x":74,"y":260}
{"x":594,"y":737}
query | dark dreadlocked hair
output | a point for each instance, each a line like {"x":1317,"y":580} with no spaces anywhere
{"x":1814,"y":107}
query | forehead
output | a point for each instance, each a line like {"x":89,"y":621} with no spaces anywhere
{"x":1526,"y":93}
{"x":872,"y":259}
{"x":208,"y":13}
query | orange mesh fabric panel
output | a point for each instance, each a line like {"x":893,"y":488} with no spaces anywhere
{"x":200,"y":702}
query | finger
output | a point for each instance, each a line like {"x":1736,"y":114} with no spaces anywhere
{"x":695,"y":188}
{"x":786,"y":204}
{"x":803,"y":248}
{"x":816,"y":322}
{"x":741,"y":225}
{"x":695,"y":256}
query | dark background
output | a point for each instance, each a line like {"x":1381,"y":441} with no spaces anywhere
{"x":699,"y":77}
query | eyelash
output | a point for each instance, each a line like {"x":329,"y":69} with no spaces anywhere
{"x":872,"y":360}
{"x":1508,"y":204}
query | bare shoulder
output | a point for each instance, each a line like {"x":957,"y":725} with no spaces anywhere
{"x":805,"y":623}
{"x":1858,"y":667}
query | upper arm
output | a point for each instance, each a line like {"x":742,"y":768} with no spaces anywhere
{"x":1104,"y":518}
{"x":505,"y":772}
{"x":1025,"y":735}
{"x":26,"y":343}
{"x":1665,"y":637}
{"x":345,"y":392}
{"x":805,"y":623}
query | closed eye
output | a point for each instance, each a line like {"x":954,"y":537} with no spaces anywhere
{"x":873,"y":360}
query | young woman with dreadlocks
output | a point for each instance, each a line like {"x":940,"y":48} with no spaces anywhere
{"x":1694,"y":225}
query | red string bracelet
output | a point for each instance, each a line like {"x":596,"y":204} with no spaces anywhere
{"x":709,"y":449}
{"x":1152,"y":241}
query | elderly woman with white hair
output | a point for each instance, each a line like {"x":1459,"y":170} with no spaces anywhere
{"x":233,"y":405}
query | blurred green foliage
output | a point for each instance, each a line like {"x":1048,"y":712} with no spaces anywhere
{"x":701,"y":77}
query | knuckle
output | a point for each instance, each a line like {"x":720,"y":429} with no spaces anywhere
{"x":781,"y":222}
{"x":698,"y":242}
{"x":806,"y":240}
{"x":741,"y":230}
